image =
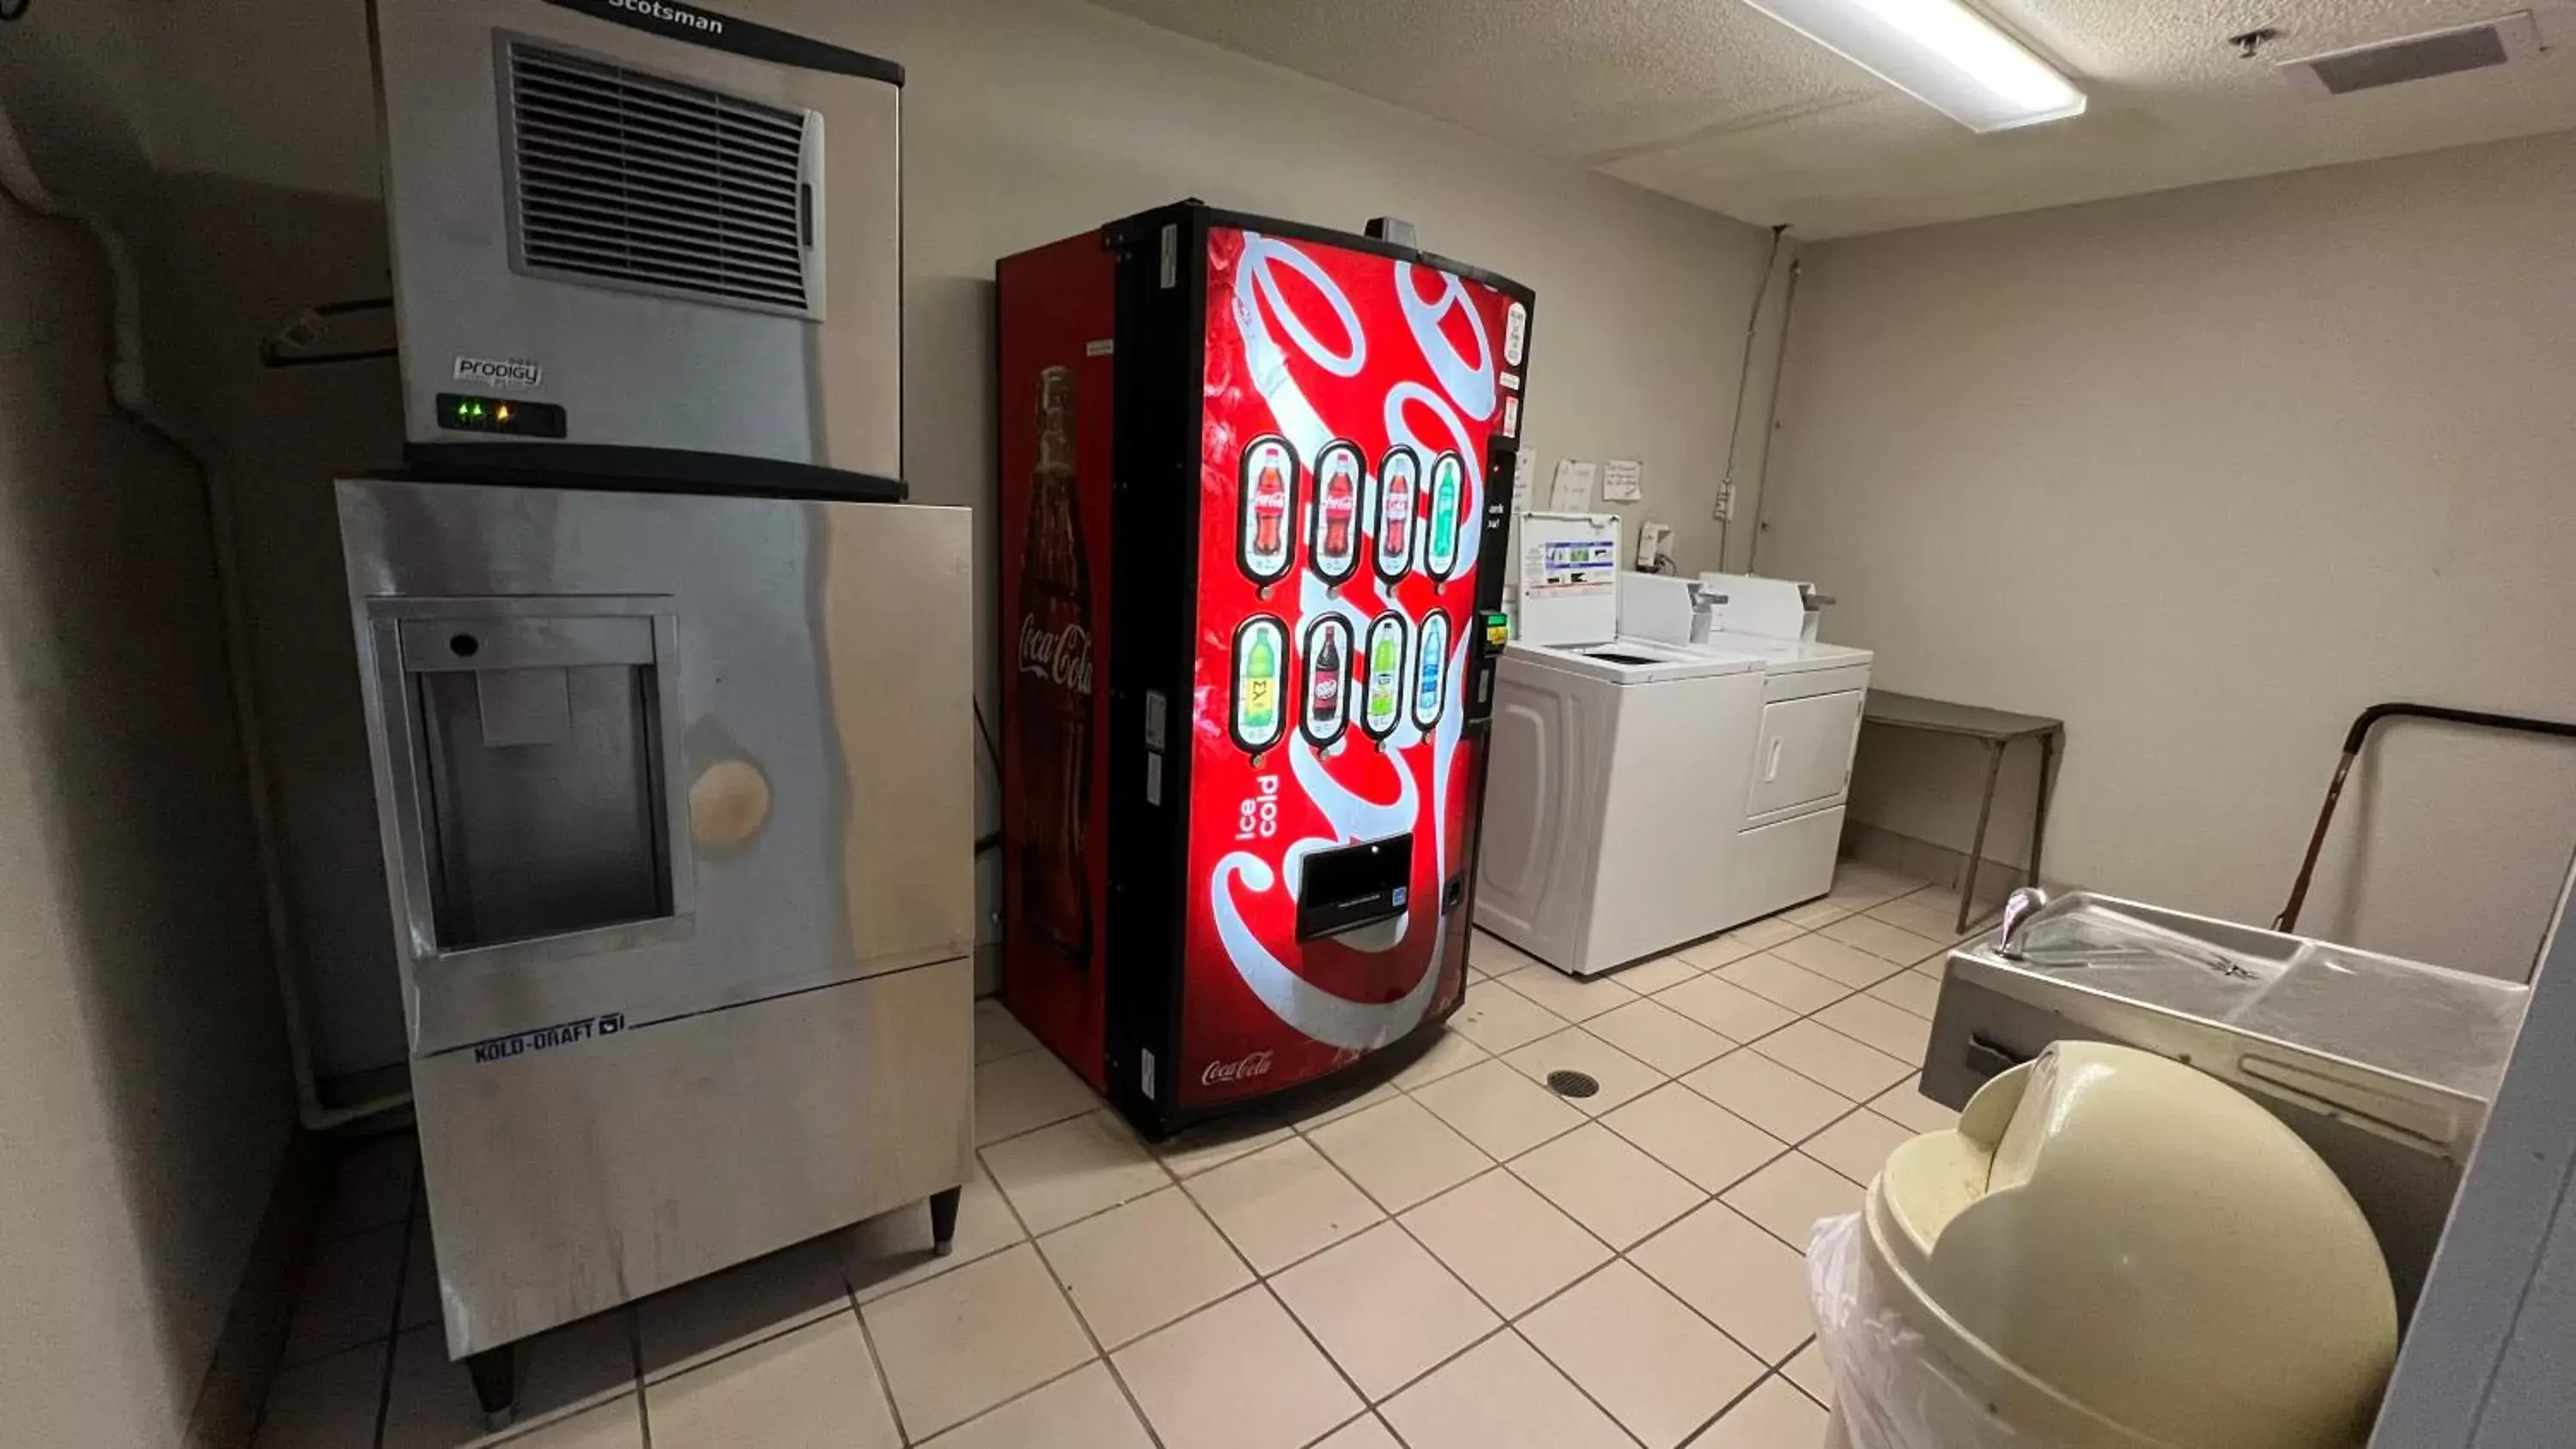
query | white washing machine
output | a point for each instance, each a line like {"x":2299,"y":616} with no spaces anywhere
{"x":1617,"y":767}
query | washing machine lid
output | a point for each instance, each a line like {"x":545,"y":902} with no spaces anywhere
{"x":1787,"y":656}
{"x":1633,"y":661}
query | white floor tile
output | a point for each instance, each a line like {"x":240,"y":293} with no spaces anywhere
{"x":1365,"y":1432}
{"x":1497,"y":1108}
{"x":1399,"y":1153}
{"x":1282,"y":1203}
{"x":1850,"y":965}
{"x":1083,"y":1410}
{"x":1620,"y":1076}
{"x":1499,"y":1019}
{"x":1906,"y":1105}
{"x":744,"y":1304}
{"x":1648,"y":977}
{"x":891,"y":1251}
{"x":1821,"y":1054}
{"x":965,"y":1341}
{"x":1739,"y":1277}
{"x":1194,"y":1150}
{"x":1383,"y":1308}
{"x":1774,"y":1416}
{"x":1814,"y":914}
{"x":617,"y":1424}
{"x":1031,"y":1089}
{"x":1448,"y":1053}
{"x":1497,"y":957}
{"x":1782,"y":984}
{"x":1607,"y":1184}
{"x":814,"y":1386}
{"x":371,"y":1185}
{"x":1073,"y":1169}
{"x":1135,"y":1268}
{"x":1931,"y":914}
{"x":1879,"y":938}
{"x":1808,"y":1371}
{"x":347,"y":1295}
{"x":1508,"y":1243}
{"x":1497,"y":1394}
{"x":1892,"y":1029}
{"x":1659,"y":1036}
{"x":1725,"y":1008}
{"x":998,"y":1034}
{"x":1857,"y":1146}
{"x":1767,"y":1094}
{"x":1766,"y":933}
{"x":1238,"y":1375}
{"x":1910,"y":991}
{"x":1695,"y":1137}
{"x":431,"y":1402}
{"x":329,"y":1403}
{"x":1716,"y":951}
{"x":1362,"y":1092}
{"x":1576,"y":998}
{"x":1791,"y":1195}
{"x":1640,"y":1353}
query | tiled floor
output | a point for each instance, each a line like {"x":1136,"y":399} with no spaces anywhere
{"x":1453,"y":1258}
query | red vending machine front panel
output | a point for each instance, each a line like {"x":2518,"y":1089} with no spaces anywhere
{"x":1349,"y":400}
{"x":1058,"y":308}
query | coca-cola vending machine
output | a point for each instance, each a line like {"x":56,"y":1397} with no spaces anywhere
{"x":1255,"y":486}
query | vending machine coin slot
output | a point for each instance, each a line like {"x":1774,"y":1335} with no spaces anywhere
{"x":1354,"y":885}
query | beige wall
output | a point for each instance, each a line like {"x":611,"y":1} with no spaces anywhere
{"x":2204,"y":473}
{"x":143,"y":1095}
{"x":1025,"y":121}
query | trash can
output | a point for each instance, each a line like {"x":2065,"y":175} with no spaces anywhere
{"x":2110,"y":1251}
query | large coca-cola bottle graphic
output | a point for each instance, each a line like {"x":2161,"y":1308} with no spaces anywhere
{"x":1051,"y":729}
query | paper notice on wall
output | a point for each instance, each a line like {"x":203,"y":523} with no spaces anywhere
{"x":1622,"y":480}
{"x":1559,"y":568}
{"x":1524,"y":474}
{"x":1572,"y":490}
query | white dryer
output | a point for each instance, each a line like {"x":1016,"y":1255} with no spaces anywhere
{"x":1613,"y":765}
{"x":1790,"y":822}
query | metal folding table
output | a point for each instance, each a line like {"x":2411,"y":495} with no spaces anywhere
{"x":1998,"y":729}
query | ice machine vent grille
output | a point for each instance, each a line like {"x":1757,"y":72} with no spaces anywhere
{"x":636,"y":180}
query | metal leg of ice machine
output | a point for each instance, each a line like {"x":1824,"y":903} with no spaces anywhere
{"x":675,"y":801}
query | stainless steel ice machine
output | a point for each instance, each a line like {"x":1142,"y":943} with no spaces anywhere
{"x":674,"y":795}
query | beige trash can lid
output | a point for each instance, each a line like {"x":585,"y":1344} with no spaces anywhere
{"x":2126,"y":1252}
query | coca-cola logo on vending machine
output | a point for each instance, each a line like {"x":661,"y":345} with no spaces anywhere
{"x":1061,"y":656}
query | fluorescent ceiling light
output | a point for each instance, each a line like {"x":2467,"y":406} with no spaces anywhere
{"x":1940,"y":52}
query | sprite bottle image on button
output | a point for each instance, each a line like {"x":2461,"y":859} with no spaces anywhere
{"x":1260,"y":678}
{"x":1431,"y":669}
{"x":1440,"y":528}
{"x":1382,"y":706}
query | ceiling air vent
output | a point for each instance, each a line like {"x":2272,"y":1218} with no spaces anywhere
{"x":627,"y":179}
{"x":2415,"y":57}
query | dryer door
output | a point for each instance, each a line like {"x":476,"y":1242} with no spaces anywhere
{"x":1805,"y":753}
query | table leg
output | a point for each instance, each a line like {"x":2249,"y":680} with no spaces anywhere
{"x":1977,"y":846}
{"x":2039,"y":801}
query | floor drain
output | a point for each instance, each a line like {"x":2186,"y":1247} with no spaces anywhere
{"x":1566,"y":1083}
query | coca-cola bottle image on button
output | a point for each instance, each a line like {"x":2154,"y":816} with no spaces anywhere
{"x":1051,"y":729}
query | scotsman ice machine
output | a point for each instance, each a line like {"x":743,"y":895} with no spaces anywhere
{"x":2385,"y":1067}
{"x":666,"y":692}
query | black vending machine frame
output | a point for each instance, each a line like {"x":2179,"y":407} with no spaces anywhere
{"x":1156,"y":424}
